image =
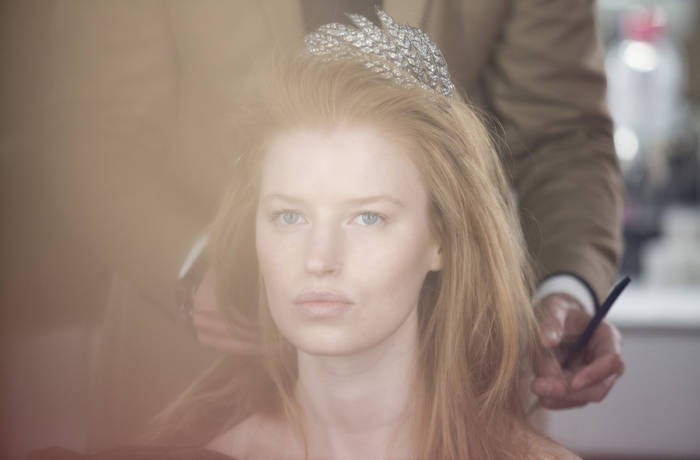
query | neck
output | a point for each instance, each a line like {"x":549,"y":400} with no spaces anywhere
{"x":359,"y":403}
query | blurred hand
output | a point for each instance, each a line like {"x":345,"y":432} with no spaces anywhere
{"x":212,"y":329}
{"x":592,"y":374}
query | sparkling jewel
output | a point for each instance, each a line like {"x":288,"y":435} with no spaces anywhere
{"x":399,"y":52}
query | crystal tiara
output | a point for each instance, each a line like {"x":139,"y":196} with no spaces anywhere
{"x":399,"y":52}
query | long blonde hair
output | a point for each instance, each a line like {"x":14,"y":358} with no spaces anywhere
{"x":477,"y":329}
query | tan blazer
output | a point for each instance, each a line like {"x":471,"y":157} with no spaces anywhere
{"x":140,"y":94}
{"x":538,"y":68}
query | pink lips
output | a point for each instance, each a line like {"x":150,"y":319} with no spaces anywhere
{"x":322,"y":304}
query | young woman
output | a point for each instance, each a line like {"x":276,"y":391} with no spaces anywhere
{"x":370,"y":241}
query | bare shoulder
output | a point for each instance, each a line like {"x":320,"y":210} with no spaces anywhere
{"x":544,"y":448}
{"x":257,"y":437}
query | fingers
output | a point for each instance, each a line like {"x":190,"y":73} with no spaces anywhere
{"x":212,"y":329}
{"x":601,"y":358}
{"x":550,"y":387}
{"x":595,"y":392}
{"x":205,"y":296}
{"x":559,"y":389}
{"x":212,"y":325}
{"x":551,"y":382}
{"x":599,"y":370}
{"x":606,"y":340}
{"x":562,"y":397}
{"x":548,"y":367}
{"x":575,"y":323}
{"x":592,"y":374}
{"x":553,"y":309}
{"x":229,"y":344}
{"x":215,"y":324}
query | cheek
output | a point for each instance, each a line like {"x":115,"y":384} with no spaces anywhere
{"x":393,"y":272}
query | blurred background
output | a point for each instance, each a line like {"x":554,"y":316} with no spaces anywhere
{"x":653,"y":70}
{"x":653,"y":67}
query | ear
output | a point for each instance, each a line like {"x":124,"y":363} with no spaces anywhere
{"x":435,"y":258}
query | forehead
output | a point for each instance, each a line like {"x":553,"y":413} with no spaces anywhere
{"x":344,"y":161}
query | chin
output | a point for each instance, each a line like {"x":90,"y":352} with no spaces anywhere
{"x":325,"y":342}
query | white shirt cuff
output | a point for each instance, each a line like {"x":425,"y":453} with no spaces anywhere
{"x":195,"y":251}
{"x":566,"y":284}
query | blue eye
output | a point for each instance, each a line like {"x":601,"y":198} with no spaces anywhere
{"x":369,"y":218}
{"x":288,"y":218}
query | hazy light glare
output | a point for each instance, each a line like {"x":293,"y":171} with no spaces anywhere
{"x":640,"y":56}
{"x":626,"y":143}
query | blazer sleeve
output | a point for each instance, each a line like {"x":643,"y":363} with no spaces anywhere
{"x":546,"y":84}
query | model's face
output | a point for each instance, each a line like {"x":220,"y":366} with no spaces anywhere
{"x":343,"y":238}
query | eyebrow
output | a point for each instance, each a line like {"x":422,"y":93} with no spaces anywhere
{"x":355,"y":201}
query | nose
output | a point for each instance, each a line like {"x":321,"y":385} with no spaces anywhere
{"x":324,"y":251}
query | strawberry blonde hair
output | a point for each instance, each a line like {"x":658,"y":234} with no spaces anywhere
{"x":477,"y":331}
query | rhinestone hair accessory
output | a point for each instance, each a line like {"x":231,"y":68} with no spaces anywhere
{"x":399,"y":52}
